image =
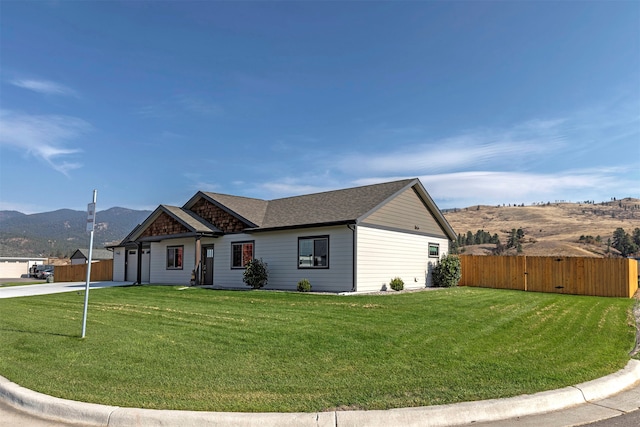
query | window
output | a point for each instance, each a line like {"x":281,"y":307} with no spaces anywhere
{"x":434,"y":250}
{"x":174,"y":257}
{"x":241,"y":254}
{"x":313,"y":252}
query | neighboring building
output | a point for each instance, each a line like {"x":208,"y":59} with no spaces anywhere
{"x":17,"y":267}
{"x":351,"y":240}
{"x":81,"y":256}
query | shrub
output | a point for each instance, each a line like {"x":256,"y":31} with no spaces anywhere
{"x":304,"y":285}
{"x":256,"y":273}
{"x":448,"y":272}
{"x":396,"y":284}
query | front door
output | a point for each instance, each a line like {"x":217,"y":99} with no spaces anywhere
{"x":207,"y":265}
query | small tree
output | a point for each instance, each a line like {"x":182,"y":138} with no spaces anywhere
{"x":448,"y":272}
{"x":304,"y":285}
{"x":397,"y":284}
{"x":256,"y":273}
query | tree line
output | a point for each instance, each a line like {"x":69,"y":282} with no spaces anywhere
{"x":514,"y":240}
{"x":625,"y":243}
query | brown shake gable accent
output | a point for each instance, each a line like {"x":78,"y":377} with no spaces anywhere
{"x":217,"y":216}
{"x":163,"y":226}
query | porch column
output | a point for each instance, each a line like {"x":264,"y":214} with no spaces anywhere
{"x":197,"y":270}
{"x":139,"y":275}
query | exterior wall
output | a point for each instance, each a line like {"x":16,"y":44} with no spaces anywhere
{"x":159,"y":274}
{"x":13,"y":269}
{"x":385,"y":254}
{"x":132,"y":265}
{"x":78,"y":259}
{"x":146,"y":265}
{"x":279,"y":249}
{"x":119,"y":256}
{"x":406,"y":212}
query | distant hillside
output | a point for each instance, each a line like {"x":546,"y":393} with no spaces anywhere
{"x":550,"y":229}
{"x":60,"y":233}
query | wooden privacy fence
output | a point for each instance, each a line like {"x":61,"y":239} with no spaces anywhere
{"x":101,"y":271}
{"x":607,"y":277}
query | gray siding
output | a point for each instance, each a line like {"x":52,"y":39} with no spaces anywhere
{"x":279,"y":249}
{"x":158,"y":262}
{"x":406,"y":212}
{"x":119,"y":255}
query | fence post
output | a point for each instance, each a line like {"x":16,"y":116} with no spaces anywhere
{"x":526,"y":273}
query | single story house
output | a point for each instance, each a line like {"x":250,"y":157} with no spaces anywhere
{"x":81,"y":256}
{"x":350,"y":240}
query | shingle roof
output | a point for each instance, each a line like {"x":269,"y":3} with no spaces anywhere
{"x":95,"y":253}
{"x":329,"y":207}
{"x":319,"y":208}
{"x":190,"y":220}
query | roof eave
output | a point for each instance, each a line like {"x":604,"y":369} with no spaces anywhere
{"x":177,"y":236}
{"x":299,"y":226}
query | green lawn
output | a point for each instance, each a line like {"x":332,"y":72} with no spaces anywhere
{"x":7,"y":284}
{"x":186,"y":348}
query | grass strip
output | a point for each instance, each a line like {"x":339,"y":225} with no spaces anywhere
{"x":167,"y":347}
{"x":8,"y":284}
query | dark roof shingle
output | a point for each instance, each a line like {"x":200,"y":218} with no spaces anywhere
{"x":329,"y":207}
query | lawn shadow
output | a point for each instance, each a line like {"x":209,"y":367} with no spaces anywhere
{"x":40,"y":333}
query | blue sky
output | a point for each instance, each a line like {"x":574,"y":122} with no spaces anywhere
{"x":150,"y":101}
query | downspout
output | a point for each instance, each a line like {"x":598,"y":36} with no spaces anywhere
{"x":354,"y":266}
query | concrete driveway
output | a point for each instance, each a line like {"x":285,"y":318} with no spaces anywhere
{"x":53,"y":288}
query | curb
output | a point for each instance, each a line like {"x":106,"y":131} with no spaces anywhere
{"x":91,"y":414}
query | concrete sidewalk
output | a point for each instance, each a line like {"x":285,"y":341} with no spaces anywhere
{"x":54,"y":288}
{"x":587,"y":402}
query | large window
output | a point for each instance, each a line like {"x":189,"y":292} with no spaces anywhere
{"x":313,"y":252}
{"x":174,"y":257}
{"x":241,"y":254}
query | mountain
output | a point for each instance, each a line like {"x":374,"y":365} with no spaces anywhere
{"x":550,"y":229}
{"x":60,"y":233}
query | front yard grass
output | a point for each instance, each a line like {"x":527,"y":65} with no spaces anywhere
{"x":168,"y":347}
{"x":7,"y":284}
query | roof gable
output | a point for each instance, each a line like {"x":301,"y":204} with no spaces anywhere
{"x":172,"y":221}
{"x":247,"y":210}
{"x":408,"y":211}
{"x":339,"y":206}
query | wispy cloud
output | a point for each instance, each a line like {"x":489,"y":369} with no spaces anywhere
{"x":43,"y":136}
{"x":488,"y":187}
{"x":180,"y":105}
{"x":532,"y":161}
{"x":499,"y":147}
{"x":199,"y":106}
{"x":467,"y":188}
{"x":44,"y":87}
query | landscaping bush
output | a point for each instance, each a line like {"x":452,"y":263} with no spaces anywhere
{"x":448,"y":272}
{"x":397,"y":284}
{"x":304,"y":285}
{"x":256,"y":273}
